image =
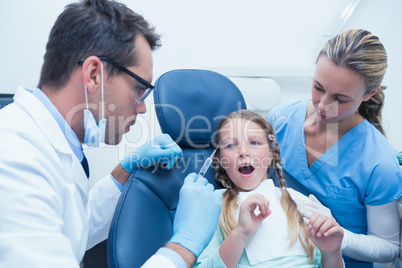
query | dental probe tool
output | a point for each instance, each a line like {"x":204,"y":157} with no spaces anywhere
{"x":208,"y":162}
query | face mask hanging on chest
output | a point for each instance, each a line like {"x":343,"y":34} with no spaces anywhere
{"x":94,"y":134}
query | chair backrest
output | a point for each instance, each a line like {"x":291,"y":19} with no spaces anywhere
{"x":189,"y":105}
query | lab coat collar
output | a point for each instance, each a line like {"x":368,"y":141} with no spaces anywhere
{"x":71,"y":137}
{"x":51,"y":130}
{"x":43,"y":118}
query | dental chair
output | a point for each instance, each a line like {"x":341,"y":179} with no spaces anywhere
{"x":189,"y":105}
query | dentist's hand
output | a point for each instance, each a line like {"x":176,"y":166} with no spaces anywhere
{"x":197,"y":214}
{"x":162,"y":149}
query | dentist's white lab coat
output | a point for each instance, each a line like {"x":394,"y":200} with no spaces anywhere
{"x":48,"y":214}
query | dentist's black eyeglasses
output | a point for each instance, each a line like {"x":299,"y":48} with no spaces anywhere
{"x":148,"y":85}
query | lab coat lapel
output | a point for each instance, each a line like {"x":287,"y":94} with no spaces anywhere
{"x":50,"y":129}
{"x":80,"y":178}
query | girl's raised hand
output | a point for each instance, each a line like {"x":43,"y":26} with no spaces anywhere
{"x":248,"y":220}
{"x":325,"y":233}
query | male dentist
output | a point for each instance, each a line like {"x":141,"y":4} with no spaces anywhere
{"x":96,"y":74}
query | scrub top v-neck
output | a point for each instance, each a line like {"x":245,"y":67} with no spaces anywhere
{"x":329,"y":157}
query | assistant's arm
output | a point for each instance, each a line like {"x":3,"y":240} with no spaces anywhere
{"x":381,"y":244}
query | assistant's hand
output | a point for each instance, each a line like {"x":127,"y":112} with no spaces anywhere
{"x":308,"y":206}
{"x":197,"y":214}
{"x":162,"y":149}
{"x":249,"y":222}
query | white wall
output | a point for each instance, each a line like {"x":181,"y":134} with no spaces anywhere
{"x":259,"y":36}
{"x":384,"y":19}
{"x":24,"y":29}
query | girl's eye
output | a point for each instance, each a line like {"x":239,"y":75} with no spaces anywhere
{"x":254,"y":143}
{"x":230,"y":145}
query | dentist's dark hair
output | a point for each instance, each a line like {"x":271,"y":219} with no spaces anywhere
{"x":361,"y":51}
{"x":227,"y":220}
{"x":93,"y":27}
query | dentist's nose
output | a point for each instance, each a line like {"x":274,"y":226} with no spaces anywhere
{"x":140,"y":108}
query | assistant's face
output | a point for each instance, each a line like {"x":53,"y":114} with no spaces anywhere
{"x":122,"y":93}
{"x":337,"y":92}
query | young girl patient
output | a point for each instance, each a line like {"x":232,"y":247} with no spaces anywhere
{"x":260,"y":225}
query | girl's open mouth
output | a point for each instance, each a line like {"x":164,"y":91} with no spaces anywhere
{"x":246,"y":169}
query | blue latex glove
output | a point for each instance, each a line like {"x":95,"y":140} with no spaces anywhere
{"x":162,"y":149}
{"x":197,"y":214}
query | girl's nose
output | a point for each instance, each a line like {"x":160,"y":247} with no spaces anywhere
{"x":244,"y":151}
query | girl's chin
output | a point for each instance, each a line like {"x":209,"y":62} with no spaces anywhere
{"x":246,"y":176}
{"x":248,"y":189}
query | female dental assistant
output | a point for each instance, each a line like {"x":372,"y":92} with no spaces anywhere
{"x":336,"y":148}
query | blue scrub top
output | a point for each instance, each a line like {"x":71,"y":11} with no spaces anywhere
{"x":360,"y":169}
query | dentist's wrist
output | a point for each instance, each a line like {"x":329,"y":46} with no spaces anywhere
{"x":188,"y":257}
{"x":121,"y":174}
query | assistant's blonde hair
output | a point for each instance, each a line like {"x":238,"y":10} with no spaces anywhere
{"x":362,"y":52}
{"x":228,"y":221}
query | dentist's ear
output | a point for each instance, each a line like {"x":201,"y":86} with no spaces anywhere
{"x":91,"y":72}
